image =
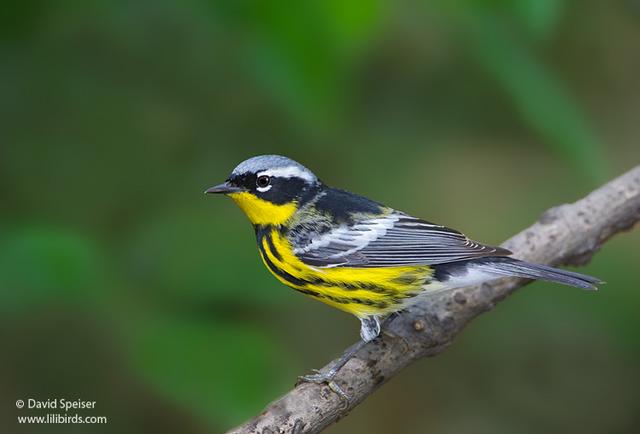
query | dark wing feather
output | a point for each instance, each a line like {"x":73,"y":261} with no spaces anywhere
{"x":393,"y":240}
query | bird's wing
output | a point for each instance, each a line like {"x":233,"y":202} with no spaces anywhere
{"x":392,"y":240}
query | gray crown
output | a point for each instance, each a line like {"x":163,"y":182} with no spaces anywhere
{"x":273,"y":162}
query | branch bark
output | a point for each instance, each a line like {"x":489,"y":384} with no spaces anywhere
{"x":568,"y":234}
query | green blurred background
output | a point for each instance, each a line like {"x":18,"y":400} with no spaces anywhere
{"x":120,"y":282}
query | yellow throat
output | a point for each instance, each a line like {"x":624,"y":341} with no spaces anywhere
{"x":262,"y":212}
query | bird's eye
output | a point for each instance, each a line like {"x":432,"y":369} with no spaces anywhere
{"x":263,"y":181}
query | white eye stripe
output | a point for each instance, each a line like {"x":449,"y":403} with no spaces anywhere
{"x":263,"y":189}
{"x":289,"y":172}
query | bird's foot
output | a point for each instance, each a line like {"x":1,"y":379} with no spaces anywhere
{"x":317,"y":377}
{"x":326,"y":377}
{"x":320,"y":377}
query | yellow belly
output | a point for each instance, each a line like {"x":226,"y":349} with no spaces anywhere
{"x":359,"y":291}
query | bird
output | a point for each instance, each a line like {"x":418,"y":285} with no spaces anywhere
{"x":358,"y":255}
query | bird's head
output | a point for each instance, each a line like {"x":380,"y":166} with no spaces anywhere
{"x":269,"y":188}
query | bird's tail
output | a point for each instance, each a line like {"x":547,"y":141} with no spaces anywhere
{"x":504,"y":266}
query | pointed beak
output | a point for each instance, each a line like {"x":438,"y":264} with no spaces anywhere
{"x":224,"y":188}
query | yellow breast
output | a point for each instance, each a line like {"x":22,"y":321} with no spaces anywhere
{"x":359,"y":291}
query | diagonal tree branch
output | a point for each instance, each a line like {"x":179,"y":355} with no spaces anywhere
{"x":568,"y":234}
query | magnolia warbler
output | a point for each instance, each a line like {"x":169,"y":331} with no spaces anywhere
{"x":356,"y":254}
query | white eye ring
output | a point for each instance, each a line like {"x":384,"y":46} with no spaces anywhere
{"x":263,"y":183}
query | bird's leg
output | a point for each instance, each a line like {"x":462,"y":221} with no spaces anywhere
{"x":327,"y":376}
{"x":369,"y":330}
{"x":320,"y":377}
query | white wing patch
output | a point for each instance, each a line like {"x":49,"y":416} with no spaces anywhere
{"x":346,"y":240}
{"x":393,"y":240}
